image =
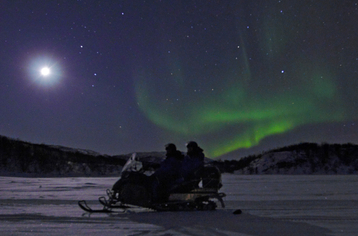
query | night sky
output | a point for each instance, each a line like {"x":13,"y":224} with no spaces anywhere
{"x":239,"y":77}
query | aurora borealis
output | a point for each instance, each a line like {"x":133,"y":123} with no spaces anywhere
{"x":134,"y":75}
{"x":243,"y":114}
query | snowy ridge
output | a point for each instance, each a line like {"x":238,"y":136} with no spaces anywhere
{"x":76,"y":150}
{"x":306,"y":158}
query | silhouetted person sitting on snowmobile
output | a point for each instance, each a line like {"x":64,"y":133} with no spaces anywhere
{"x":193,"y":161}
{"x":168,"y":174}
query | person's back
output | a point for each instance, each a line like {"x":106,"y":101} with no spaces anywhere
{"x":193,"y":161}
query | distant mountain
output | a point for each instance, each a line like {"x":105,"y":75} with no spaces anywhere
{"x":19,"y":158}
{"x":304,"y":158}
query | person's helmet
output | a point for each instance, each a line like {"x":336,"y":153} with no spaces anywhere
{"x":170,"y":146}
{"x":191,"y":144}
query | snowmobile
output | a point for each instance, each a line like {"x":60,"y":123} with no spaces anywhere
{"x":134,"y":189}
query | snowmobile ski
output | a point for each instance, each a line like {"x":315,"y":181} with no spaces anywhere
{"x":107,"y":204}
{"x":83,"y":205}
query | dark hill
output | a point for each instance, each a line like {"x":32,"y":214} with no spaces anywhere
{"x":19,"y":158}
{"x":304,"y":158}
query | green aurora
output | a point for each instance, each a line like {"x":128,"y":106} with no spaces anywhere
{"x":250,"y":115}
{"x":240,"y":103}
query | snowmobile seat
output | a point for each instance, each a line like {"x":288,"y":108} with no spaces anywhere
{"x":210,"y":176}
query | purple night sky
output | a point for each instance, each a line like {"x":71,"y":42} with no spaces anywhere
{"x":239,"y":77}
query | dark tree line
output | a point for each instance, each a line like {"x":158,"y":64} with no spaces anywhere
{"x":22,"y":157}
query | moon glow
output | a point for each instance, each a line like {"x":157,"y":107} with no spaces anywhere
{"x":45,"y":71}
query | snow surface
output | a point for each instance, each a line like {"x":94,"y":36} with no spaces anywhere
{"x":271,"y":204}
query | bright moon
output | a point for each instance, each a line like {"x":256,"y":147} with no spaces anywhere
{"x":45,"y":71}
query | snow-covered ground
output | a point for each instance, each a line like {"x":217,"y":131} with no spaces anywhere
{"x":271,"y":204}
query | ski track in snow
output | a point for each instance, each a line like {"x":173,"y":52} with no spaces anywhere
{"x":271,"y":204}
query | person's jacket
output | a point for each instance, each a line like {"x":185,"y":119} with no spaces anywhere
{"x":191,"y":163}
{"x":170,"y":167}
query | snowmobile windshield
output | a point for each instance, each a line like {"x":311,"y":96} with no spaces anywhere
{"x":132,"y":165}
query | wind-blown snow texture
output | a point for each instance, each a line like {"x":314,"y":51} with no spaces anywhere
{"x":272,"y":205}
